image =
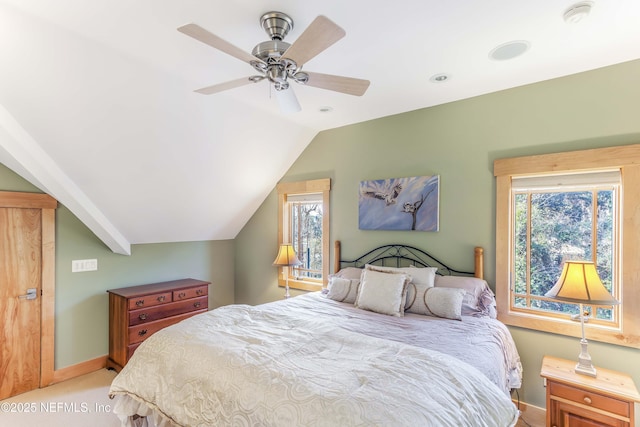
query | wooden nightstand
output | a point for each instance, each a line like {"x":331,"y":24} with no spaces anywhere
{"x":580,"y":400}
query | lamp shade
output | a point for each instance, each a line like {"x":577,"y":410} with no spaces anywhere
{"x":580,"y":283}
{"x":286,"y":256}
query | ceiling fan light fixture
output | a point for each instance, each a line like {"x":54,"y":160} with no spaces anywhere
{"x":267,"y":58}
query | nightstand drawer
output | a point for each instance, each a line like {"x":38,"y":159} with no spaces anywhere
{"x":149,"y":300}
{"x":590,"y":399}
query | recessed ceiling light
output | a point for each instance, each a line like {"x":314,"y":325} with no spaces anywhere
{"x":509,"y":50}
{"x":440,"y":78}
{"x":325,"y":109}
{"x":577,"y":12}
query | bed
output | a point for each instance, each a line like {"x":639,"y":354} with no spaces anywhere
{"x":437,"y":358}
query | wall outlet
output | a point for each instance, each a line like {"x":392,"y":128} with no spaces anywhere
{"x":79,"y":265}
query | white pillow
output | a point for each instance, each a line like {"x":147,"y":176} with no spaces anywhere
{"x":423,"y":275}
{"x":343,"y":290}
{"x":479,"y":300}
{"x":419,"y":276}
{"x":382,"y":293}
{"x":418,"y":286}
{"x":349,"y":273}
{"x":443,"y":302}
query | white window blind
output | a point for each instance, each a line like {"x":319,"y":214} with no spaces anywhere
{"x":566,"y":182}
{"x":305,"y":198}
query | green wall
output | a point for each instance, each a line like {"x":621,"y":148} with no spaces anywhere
{"x":458,"y":141}
{"x":82,"y":304}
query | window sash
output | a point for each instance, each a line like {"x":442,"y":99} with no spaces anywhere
{"x":524,"y":302}
{"x":296,"y":238}
{"x":625,"y":158}
{"x":315,"y":190}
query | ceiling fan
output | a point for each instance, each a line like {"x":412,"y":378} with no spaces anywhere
{"x":280,"y":62}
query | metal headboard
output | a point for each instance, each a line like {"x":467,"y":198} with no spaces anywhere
{"x":400,"y":255}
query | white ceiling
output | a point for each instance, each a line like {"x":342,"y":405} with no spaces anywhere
{"x":97,"y":105}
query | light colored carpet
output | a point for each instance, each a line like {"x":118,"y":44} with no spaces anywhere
{"x":81,"y":402}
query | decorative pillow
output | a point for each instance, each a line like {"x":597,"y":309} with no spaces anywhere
{"x":423,"y":275}
{"x":421,"y":280}
{"x":479,"y":300}
{"x":443,"y":302}
{"x":349,"y":273}
{"x":343,"y":290}
{"x":419,"y":276}
{"x":383,"y":293}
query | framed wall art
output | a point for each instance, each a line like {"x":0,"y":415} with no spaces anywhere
{"x":400,"y":204}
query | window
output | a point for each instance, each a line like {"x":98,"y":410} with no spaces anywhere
{"x":303,"y":221}
{"x":557,"y":218}
{"x":556,"y":207}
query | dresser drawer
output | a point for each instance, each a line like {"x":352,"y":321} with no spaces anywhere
{"x":190,"y":293}
{"x":149,"y":300}
{"x":146,"y":315}
{"x":140,"y":333}
{"x":590,"y":399}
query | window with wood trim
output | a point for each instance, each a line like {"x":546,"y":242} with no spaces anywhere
{"x":556,"y":207}
{"x":303,"y":221}
{"x":557,"y":218}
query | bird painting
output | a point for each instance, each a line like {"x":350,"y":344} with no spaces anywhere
{"x":389,"y":195}
{"x":385,"y":203}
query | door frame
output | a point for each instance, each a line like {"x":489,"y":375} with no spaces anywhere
{"x":48,"y":205}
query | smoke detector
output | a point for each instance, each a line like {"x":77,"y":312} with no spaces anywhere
{"x":577,"y":12}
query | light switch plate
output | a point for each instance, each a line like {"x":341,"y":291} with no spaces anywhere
{"x":79,"y":265}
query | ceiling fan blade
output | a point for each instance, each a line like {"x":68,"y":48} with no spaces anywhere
{"x":288,"y":101}
{"x":209,"y":90}
{"x":347,"y":85}
{"x":200,"y":34}
{"x":318,"y":36}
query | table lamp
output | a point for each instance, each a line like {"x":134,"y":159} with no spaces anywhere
{"x":579,"y":283}
{"x":286,"y":258}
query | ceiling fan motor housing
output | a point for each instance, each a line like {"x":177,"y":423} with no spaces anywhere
{"x":276,"y":24}
{"x":270,"y":50}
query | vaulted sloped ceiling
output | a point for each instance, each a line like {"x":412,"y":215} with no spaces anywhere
{"x":97,"y":105}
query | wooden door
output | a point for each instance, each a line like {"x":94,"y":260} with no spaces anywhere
{"x":20,"y":299}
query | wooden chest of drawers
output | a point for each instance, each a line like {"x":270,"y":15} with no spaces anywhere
{"x":137,"y":312}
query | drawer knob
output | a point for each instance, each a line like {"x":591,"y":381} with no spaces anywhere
{"x":587,"y":400}
{"x":196,"y":304}
{"x":199,"y":292}
{"x":182,"y":295}
{"x":142,"y":332}
{"x":161,"y":298}
{"x":140,"y":302}
{"x":142,"y":316}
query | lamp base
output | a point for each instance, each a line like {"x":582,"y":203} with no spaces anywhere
{"x":586,"y":370}
{"x":287,"y":295}
{"x":584,"y":366}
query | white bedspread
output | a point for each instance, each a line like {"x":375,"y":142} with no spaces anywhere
{"x":302,"y":362}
